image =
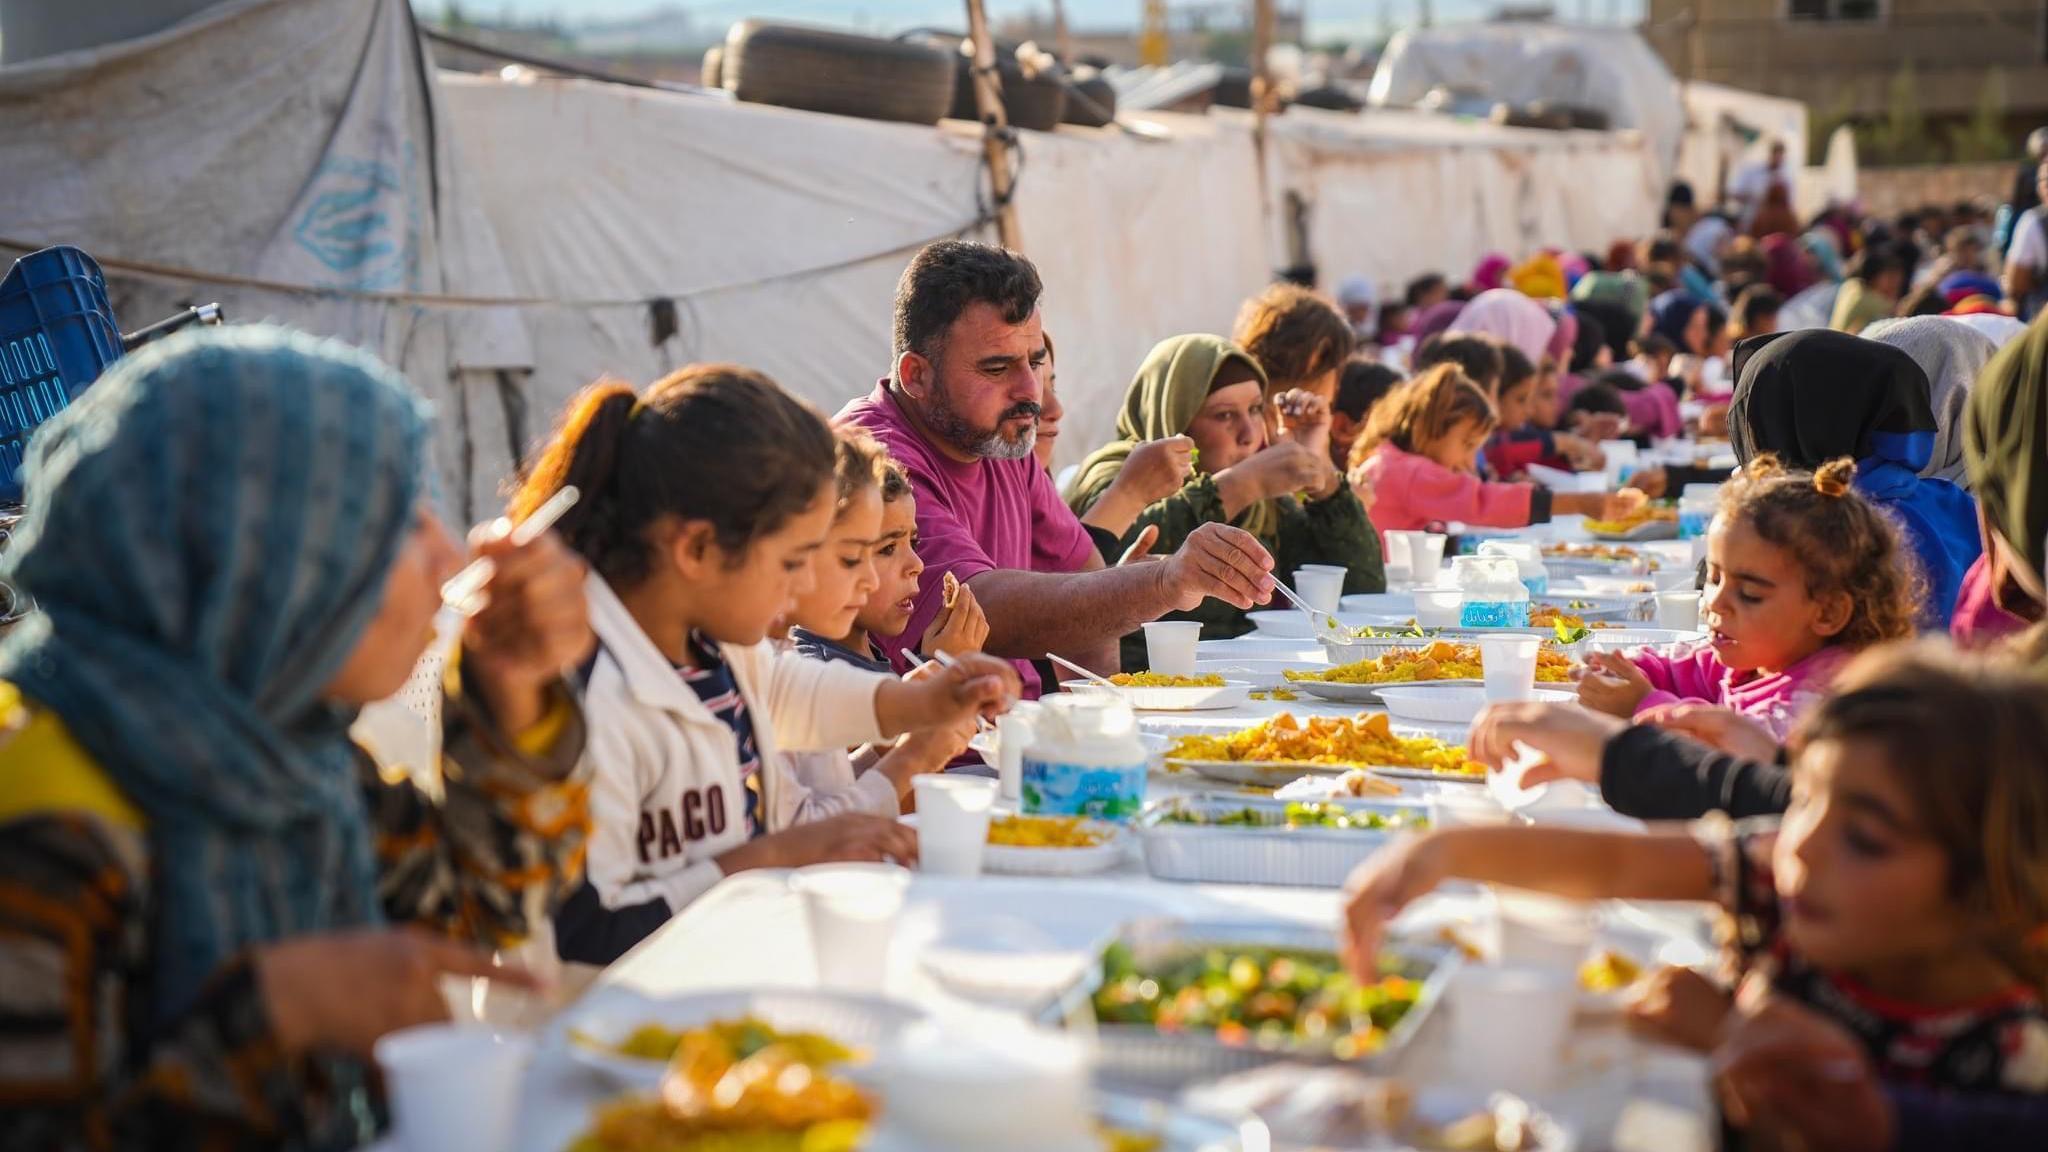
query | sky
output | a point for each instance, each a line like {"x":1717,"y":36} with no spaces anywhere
{"x":1326,"y":17}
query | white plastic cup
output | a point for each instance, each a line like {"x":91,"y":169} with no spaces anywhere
{"x":1509,"y":667}
{"x":1013,"y":736}
{"x":1395,"y":558}
{"x":1170,"y":646}
{"x":1439,"y":607}
{"x":1622,"y":456}
{"x":1425,"y":556}
{"x":1509,"y":1025}
{"x":1679,"y":611}
{"x":852,"y":910}
{"x":952,"y":823}
{"x":453,"y":1086}
{"x":1540,"y":931}
{"x":1322,"y":588}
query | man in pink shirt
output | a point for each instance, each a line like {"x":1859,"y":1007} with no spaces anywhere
{"x":960,"y":414}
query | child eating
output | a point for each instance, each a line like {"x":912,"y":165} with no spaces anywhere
{"x":1802,"y":573}
{"x":1420,"y":454}
{"x":1903,"y":894}
{"x":844,"y":581}
{"x":705,"y":503}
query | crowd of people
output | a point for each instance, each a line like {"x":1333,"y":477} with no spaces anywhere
{"x":726,"y":655}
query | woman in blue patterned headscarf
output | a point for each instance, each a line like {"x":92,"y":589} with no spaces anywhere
{"x":228,"y":543}
{"x":207,"y":548}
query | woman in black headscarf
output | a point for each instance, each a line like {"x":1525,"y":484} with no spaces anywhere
{"x":1814,"y":395}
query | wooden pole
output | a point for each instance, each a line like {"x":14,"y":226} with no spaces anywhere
{"x":1264,"y":98}
{"x":1062,"y":38}
{"x":995,"y":126}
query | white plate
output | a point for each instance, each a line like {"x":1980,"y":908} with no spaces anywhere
{"x":1430,"y":775}
{"x":1260,"y":674}
{"x":1447,"y":703}
{"x":1400,"y":604}
{"x":1363,"y":693}
{"x":1257,"y":773}
{"x":1232,"y":694}
{"x":1009,"y":860}
{"x":1635,"y":587}
{"x":1179,"y":1129}
{"x":1256,"y":647}
{"x":1292,"y":623}
{"x":1653,"y":530}
{"x":867,"y":1023}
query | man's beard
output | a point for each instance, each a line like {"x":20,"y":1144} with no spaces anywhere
{"x":947,"y":423}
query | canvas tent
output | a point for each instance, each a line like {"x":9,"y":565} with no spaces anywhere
{"x":1608,"y":69}
{"x":505,"y":242}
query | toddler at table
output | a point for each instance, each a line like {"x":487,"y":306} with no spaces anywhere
{"x":1420,"y":451}
{"x":706,"y":504}
{"x":846,"y":580}
{"x":1802,"y":573}
{"x":1904,"y":893}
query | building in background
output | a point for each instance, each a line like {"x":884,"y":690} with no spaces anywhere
{"x":1923,"y":79}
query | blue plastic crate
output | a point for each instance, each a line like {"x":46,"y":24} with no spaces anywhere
{"x":57,"y":334}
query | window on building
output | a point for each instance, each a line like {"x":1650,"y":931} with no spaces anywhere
{"x":1834,"y":9}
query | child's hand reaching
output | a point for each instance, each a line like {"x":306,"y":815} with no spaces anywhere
{"x":972,"y":685}
{"x":956,"y":630}
{"x":1613,"y":685}
{"x":1570,"y":738}
{"x":1680,"y":1006}
{"x":1388,"y":881}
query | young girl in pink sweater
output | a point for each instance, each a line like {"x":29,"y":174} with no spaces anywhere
{"x":1802,"y":573}
{"x":1420,"y":455}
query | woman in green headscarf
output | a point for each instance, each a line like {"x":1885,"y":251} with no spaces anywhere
{"x":2005,"y":443}
{"x":1284,"y":491}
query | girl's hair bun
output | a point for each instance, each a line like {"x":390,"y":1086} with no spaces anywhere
{"x":1835,"y":477}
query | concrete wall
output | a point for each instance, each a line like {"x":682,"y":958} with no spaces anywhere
{"x":1952,"y":47}
{"x":1889,"y":191}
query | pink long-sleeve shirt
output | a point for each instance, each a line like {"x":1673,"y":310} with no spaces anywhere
{"x":1696,"y":674}
{"x":1411,"y":492}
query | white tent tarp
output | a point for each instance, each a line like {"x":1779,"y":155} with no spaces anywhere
{"x":505,"y":243}
{"x":780,"y":235}
{"x":301,"y":172}
{"x":1609,"y":69}
{"x":1393,"y":194}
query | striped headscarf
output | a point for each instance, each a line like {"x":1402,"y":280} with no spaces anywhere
{"x":209,"y":532}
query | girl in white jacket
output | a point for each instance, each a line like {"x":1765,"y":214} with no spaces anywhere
{"x":845,"y":577}
{"x":705,"y":504}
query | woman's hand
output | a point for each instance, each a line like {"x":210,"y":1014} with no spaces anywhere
{"x":534,"y":624}
{"x":1283,"y":469}
{"x":856,"y":838}
{"x":1651,"y":482}
{"x":1613,"y":685}
{"x":1680,"y":1006}
{"x":1717,"y":727}
{"x":1155,"y":470}
{"x":1788,"y":1069}
{"x":958,"y":630}
{"x":973,"y":685}
{"x":1362,"y":487}
{"x":1570,"y":738}
{"x":343,"y":991}
{"x":1388,"y":881}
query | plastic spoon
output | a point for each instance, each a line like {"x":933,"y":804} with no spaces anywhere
{"x":462,"y":593}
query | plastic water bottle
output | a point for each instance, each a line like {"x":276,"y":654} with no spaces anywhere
{"x":1495,"y":596}
{"x":1528,"y":558}
{"x":1696,"y":507}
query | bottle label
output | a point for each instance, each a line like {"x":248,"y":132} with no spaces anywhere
{"x":1494,"y":614}
{"x":1054,"y":788}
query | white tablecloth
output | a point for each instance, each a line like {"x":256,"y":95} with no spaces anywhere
{"x":750,"y":933}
